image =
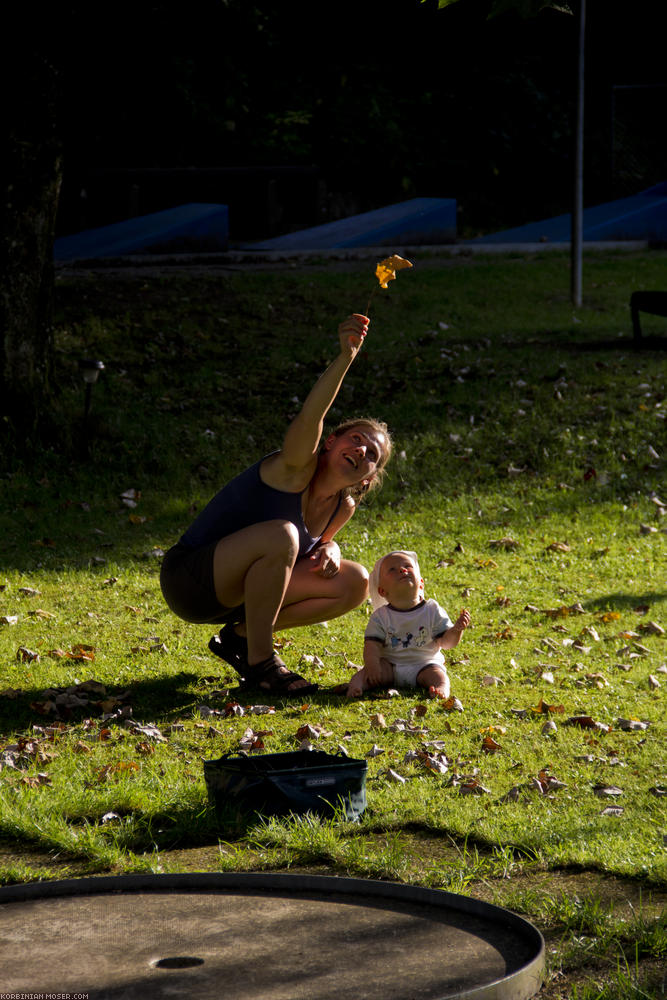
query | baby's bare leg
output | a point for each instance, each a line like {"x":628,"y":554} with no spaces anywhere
{"x":360,"y":682}
{"x":435,"y":680}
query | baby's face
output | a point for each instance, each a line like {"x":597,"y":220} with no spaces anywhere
{"x":399,"y":581}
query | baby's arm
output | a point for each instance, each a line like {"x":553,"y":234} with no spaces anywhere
{"x":376,"y":671}
{"x":452,"y":637}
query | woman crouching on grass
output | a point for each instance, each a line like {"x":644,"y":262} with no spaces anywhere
{"x":261,"y":556}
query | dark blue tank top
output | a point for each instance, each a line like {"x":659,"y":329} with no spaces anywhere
{"x":247,"y":500}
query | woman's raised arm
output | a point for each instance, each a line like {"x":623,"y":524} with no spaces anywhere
{"x":302,"y":439}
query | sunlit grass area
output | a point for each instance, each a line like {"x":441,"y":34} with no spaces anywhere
{"x":529,"y":475}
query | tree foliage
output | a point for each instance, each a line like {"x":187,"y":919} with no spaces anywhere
{"x":525,"y":8}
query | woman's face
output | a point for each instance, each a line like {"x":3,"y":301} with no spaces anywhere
{"x":357,"y":451}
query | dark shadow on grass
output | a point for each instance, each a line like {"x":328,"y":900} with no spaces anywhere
{"x":650,"y":343}
{"x":162,"y":699}
{"x":624,"y":602}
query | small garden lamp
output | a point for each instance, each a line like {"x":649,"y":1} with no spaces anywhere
{"x":90,"y":370}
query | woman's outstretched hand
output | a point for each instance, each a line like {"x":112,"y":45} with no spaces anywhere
{"x":351,"y":333}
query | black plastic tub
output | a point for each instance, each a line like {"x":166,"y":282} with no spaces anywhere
{"x":276,"y":784}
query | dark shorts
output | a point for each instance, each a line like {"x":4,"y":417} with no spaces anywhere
{"x":186,"y":579}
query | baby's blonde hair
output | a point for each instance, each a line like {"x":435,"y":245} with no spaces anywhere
{"x":374,"y":581}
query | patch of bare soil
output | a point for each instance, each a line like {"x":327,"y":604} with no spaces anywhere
{"x":28,"y":860}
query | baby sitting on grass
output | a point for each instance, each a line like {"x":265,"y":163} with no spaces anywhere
{"x":406,"y":632}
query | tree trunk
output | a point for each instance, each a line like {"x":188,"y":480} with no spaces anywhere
{"x":33,"y":168}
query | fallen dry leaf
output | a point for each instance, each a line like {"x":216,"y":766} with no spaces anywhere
{"x":394,"y":776}
{"x":452,"y":704}
{"x":489,"y":745}
{"x":504,"y":543}
{"x":597,"y":680}
{"x":609,"y":616}
{"x":433,"y":763}
{"x":81,"y":652}
{"x":631,"y":725}
{"x":35,"y":780}
{"x":387,"y":268}
{"x":542,"y":708}
{"x":311,"y":732}
{"x":586,"y":722}
{"x":122,"y":767}
{"x":148,"y":730}
{"x":489,"y":680}
{"x":251,"y":741}
{"x":27,"y":655}
{"x":473,"y":787}
{"x":130,"y":497}
{"x":607,"y":791}
{"x":652,"y":628}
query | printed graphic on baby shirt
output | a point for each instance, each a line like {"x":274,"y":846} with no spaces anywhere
{"x":405,"y":640}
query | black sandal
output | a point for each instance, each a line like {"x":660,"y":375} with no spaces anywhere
{"x":231,"y":648}
{"x":273,"y":676}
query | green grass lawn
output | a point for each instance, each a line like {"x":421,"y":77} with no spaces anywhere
{"x":529,"y":475}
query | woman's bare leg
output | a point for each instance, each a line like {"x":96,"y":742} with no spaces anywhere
{"x":254,"y":566}
{"x":257,"y":566}
{"x":311,"y":598}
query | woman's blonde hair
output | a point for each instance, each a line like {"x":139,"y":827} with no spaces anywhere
{"x":359,"y":490}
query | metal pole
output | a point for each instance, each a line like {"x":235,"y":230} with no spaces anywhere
{"x":578,"y":196}
{"x":85,"y":439}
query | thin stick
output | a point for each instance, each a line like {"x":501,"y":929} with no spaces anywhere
{"x":369,"y":302}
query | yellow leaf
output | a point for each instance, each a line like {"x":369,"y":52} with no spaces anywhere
{"x":126,"y":765}
{"x":387,"y":268}
{"x":81,"y":652}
